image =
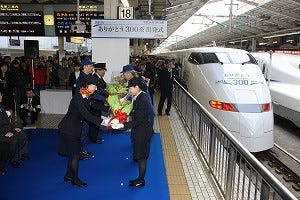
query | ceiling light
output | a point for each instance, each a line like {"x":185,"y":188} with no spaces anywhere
{"x":284,"y":34}
{"x":207,"y":20}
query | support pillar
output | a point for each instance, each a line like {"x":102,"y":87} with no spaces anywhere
{"x":112,"y":51}
{"x":135,"y":47}
{"x":253,"y":45}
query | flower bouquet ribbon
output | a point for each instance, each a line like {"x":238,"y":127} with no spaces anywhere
{"x":120,"y":109}
{"x":120,"y":115}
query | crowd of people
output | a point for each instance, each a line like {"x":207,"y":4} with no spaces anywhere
{"x":21,"y":80}
{"x":88,"y":109}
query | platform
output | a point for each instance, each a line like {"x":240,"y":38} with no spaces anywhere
{"x":188,"y":177}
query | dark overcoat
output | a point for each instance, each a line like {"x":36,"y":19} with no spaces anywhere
{"x":101,"y":82}
{"x":141,"y":129}
{"x":18,"y":143}
{"x":5,"y":125}
{"x":165,"y":79}
{"x":70,"y":126}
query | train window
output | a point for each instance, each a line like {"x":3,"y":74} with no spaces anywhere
{"x":241,"y":58}
{"x":252,"y":59}
{"x":223,"y":57}
{"x":196,"y":58}
{"x":210,"y":58}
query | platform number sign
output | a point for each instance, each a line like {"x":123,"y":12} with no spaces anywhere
{"x":125,"y":12}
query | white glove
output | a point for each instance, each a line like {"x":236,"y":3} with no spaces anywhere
{"x":108,"y":121}
{"x":117,"y":126}
{"x":105,"y":121}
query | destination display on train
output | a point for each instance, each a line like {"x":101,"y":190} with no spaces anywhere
{"x":64,"y":21}
{"x":15,"y":23}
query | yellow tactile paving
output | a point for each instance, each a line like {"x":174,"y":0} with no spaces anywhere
{"x":178,"y":186}
{"x":178,"y":189}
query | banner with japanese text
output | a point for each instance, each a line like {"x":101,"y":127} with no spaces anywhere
{"x":112,"y":28}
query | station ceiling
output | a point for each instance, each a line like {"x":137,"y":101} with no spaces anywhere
{"x":267,"y":18}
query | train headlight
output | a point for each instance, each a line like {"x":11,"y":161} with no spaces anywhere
{"x":222,"y":106}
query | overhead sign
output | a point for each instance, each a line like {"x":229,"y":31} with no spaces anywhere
{"x":16,"y":23}
{"x":64,"y":21}
{"x":10,"y":7}
{"x":150,"y":29}
{"x":125,"y":13}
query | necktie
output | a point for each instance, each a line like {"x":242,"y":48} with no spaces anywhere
{"x":29,"y":103}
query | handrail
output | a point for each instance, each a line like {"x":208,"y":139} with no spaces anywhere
{"x":237,"y":148}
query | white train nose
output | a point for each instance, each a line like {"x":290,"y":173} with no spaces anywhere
{"x":256,"y":125}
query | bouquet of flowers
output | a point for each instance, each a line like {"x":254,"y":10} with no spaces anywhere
{"x":120,"y":107}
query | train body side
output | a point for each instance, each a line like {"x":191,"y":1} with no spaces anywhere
{"x":239,"y":84}
{"x":284,"y":74}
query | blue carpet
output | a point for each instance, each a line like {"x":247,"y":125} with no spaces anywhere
{"x":107,"y":174}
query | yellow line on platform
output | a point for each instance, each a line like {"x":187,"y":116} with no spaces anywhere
{"x":178,"y":186}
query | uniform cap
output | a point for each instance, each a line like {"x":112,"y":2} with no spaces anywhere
{"x":127,"y":68}
{"x":100,"y":66}
{"x":86,"y":61}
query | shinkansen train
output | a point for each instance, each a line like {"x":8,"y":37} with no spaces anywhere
{"x":283,"y":74}
{"x":230,"y":85}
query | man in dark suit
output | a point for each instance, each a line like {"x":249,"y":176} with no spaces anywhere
{"x":15,"y":137}
{"x":165,"y":78}
{"x":100,"y":69}
{"x":30,"y":104}
{"x":86,"y":68}
{"x":73,"y":77}
{"x":99,"y":99}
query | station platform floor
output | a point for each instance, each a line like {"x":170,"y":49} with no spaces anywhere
{"x":188,"y":178}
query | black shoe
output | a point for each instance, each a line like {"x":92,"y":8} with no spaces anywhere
{"x":87,"y":153}
{"x":25,"y":157}
{"x":136,"y":183}
{"x":79,"y":183}
{"x":3,"y":172}
{"x":83,"y":157}
{"x":98,"y":141}
{"x":15,"y":164}
{"x":67,"y":178}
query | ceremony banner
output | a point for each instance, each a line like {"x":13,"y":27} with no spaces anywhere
{"x":115,"y":28}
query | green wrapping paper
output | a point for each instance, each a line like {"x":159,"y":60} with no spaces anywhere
{"x":116,"y":92}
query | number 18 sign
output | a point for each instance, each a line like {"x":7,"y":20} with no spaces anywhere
{"x":125,"y":13}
